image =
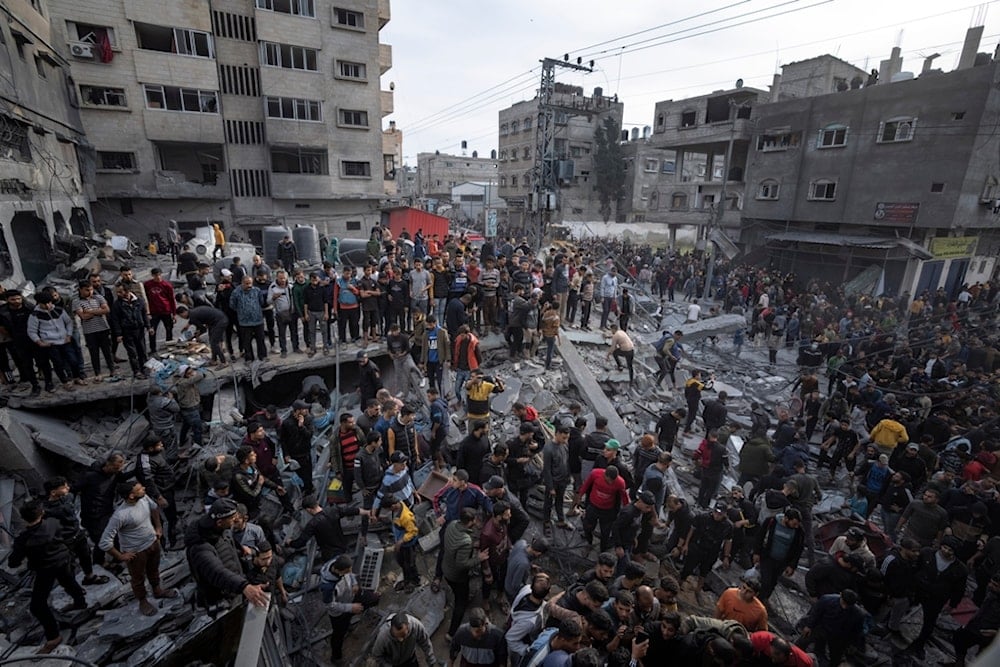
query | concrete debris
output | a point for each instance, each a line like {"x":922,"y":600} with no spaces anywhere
{"x":585,"y":337}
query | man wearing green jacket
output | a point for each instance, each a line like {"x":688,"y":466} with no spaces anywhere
{"x":756,"y":458}
{"x":460,"y":559}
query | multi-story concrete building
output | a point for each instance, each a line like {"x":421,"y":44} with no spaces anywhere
{"x":576,"y":120}
{"x":471,"y":200}
{"x":42,"y":191}
{"x":392,"y":159}
{"x":243,"y":112}
{"x":899,"y":178}
{"x":438,"y":173}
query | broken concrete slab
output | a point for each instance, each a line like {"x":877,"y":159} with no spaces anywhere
{"x":585,"y":337}
{"x":100,"y":595}
{"x":503,"y":402}
{"x":711,"y":326}
{"x":127,"y":623}
{"x":18,"y":450}
{"x":592,"y":393}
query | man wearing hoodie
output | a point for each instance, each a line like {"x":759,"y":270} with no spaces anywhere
{"x":344,"y":599}
{"x":129,"y":326}
{"x":51,"y":330}
{"x":889,"y":434}
{"x":460,"y":558}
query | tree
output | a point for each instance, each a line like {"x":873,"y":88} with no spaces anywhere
{"x":609,"y":166}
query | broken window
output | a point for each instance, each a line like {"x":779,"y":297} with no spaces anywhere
{"x":299,"y":161}
{"x":832,"y":136}
{"x":678,"y":201}
{"x":351,"y":70}
{"x":689,"y":118}
{"x":116,"y":161}
{"x":290,"y":108}
{"x":896,"y":130}
{"x":14,"y":143}
{"x":182,"y":41}
{"x":103,"y":97}
{"x":348,"y":18}
{"x":288,"y":56}
{"x":823,"y":190}
{"x":356,"y":169}
{"x":293,"y":7}
{"x":768,"y":189}
{"x":777,"y":141}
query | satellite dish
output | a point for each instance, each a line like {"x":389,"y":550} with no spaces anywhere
{"x":739,"y":83}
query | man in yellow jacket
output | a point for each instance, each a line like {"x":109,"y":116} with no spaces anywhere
{"x":889,"y":434}
{"x":404,"y":532}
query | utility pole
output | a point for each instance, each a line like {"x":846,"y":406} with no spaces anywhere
{"x":544,"y":182}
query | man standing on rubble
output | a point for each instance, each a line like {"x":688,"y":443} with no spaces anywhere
{"x":136,"y":524}
{"x":162,"y":306}
{"x":622,"y":347}
{"x":96,"y":491}
{"x":130,"y":325}
{"x":608,"y":293}
{"x":159,"y":479}
{"x":14,"y":317}
{"x":295,"y":437}
{"x":248,"y":302}
{"x":59,"y":504}
{"x":189,"y":400}
{"x":93,"y":311}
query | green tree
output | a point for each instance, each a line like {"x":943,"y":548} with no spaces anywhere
{"x":609,"y":166}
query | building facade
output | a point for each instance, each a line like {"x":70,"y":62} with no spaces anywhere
{"x":42,"y":190}
{"x":577,"y":117}
{"x":899,"y":179}
{"x":392,"y":159}
{"x":438,"y":173}
{"x":243,"y":112}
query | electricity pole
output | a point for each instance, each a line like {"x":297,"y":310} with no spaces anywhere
{"x":544,"y":181}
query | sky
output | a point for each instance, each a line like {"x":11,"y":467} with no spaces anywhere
{"x":456,"y":63}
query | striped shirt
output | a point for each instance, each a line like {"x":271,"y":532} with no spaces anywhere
{"x":97,"y":323}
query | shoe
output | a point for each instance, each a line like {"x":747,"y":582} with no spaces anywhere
{"x":284,"y":355}
{"x":399,"y":585}
{"x":562,"y":524}
{"x":36,"y":391}
{"x":50,"y":646}
{"x":95,"y":580}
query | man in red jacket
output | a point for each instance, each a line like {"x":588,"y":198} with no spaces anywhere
{"x":162,"y":306}
{"x":606,"y":494}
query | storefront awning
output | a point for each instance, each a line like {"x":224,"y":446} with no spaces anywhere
{"x":848,"y":241}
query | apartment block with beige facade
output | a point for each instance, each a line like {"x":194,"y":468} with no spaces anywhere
{"x":244,"y":112}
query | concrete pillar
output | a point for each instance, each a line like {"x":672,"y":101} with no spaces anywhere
{"x":972,"y":38}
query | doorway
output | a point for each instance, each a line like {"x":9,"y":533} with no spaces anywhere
{"x":33,"y":247}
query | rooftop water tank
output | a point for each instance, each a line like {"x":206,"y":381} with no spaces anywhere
{"x":271,"y":236}
{"x":307,"y":243}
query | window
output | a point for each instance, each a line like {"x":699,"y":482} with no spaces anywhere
{"x":823,"y":190}
{"x":526,"y":153}
{"x":356,"y":169}
{"x":896,"y":130}
{"x":40,"y":66}
{"x":348,"y":18}
{"x":14,"y":143}
{"x":182,"y":41}
{"x":832,"y":136}
{"x":290,"y":108}
{"x":293,"y":7}
{"x":116,"y":161}
{"x":513,"y":154}
{"x":351,"y":70}
{"x":768,"y":190}
{"x":288,"y":56}
{"x":652,"y":164}
{"x":354,"y":225}
{"x":514,"y":127}
{"x":654,"y":200}
{"x":19,"y":43}
{"x":937,"y":188}
{"x":513,"y":181}
{"x":299,"y":161}
{"x":504,"y":130}
{"x":659,"y":121}
{"x":777,"y":141}
{"x":503,"y":181}
{"x":90,"y":33}
{"x":170,"y":98}
{"x":689,"y":118}
{"x":353,"y":118}
{"x":100,"y":96}
{"x":958,"y":115}
{"x":526,"y":124}
{"x":388,"y":166}
{"x":678,"y":201}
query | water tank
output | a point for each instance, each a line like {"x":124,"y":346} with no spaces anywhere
{"x":271,"y":236}
{"x":307,"y":243}
{"x":635,"y":134}
{"x":598,"y":92}
{"x":646,"y":131}
{"x":901,"y":76}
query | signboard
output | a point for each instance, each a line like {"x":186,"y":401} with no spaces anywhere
{"x":897,"y":213}
{"x":491,"y":223}
{"x":951,"y":247}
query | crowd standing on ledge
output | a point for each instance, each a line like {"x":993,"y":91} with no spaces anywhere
{"x":906,"y":419}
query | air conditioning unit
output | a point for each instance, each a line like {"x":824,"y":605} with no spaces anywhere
{"x":84,"y":50}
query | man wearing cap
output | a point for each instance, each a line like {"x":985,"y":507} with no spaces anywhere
{"x":940,"y":580}
{"x":556,"y":476}
{"x":162,"y":306}
{"x":740,"y":603}
{"x":710,"y":536}
{"x":628,"y":525}
{"x":295,"y":437}
{"x":396,"y":482}
{"x":612,"y":455}
{"x":911,"y":463}
{"x":496,"y":491}
{"x":214,"y":558}
{"x":853,"y":542}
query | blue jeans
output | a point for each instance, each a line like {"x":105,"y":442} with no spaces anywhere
{"x":550,"y":346}
{"x":606,"y":310}
{"x":461,"y":377}
{"x":440,"y":304}
{"x":191,"y":420}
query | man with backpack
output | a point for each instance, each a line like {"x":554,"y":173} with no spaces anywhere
{"x":668,"y":355}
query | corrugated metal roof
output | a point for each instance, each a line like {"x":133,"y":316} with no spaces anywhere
{"x":853,"y":241}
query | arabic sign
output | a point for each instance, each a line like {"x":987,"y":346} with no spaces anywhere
{"x":958,"y":246}
{"x":896,"y":212}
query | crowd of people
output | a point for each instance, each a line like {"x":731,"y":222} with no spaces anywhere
{"x":906,"y":421}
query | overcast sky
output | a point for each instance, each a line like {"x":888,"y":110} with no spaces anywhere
{"x":456,"y":63}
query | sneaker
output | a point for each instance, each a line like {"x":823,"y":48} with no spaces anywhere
{"x":37,"y":391}
{"x":284,"y":354}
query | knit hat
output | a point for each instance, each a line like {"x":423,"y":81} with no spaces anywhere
{"x":222,"y":508}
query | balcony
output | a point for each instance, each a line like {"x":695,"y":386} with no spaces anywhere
{"x":384,"y":13}
{"x":301,"y":186}
{"x":202,"y":128}
{"x":171,"y":69}
{"x":161,"y":184}
{"x":704,"y":134}
{"x":386,"y":100}
{"x":384,"y":58}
